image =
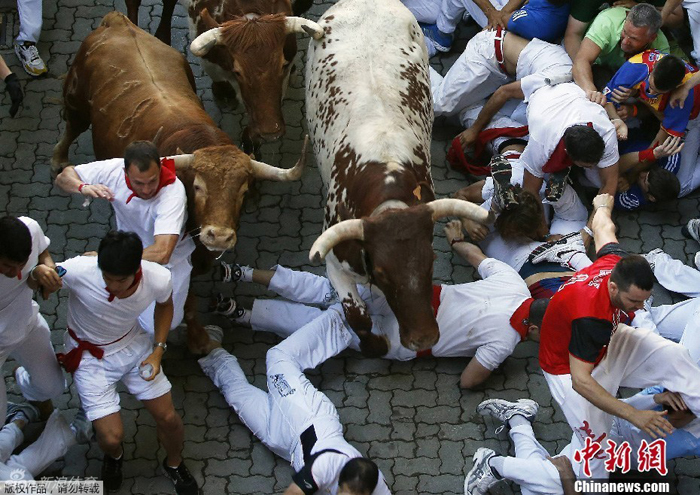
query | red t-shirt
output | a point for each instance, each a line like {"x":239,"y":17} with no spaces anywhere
{"x":580,"y":319}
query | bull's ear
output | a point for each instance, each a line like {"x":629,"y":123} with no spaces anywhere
{"x":208,"y":20}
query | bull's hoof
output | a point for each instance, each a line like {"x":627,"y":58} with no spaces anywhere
{"x":224,"y":94}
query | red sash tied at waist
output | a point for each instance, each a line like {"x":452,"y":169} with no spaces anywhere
{"x":71,"y":360}
{"x":435,"y":303}
{"x":498,"y":45}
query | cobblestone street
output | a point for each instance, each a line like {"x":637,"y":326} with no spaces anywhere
{"x":410,"y":417}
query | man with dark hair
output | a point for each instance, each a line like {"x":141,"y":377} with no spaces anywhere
{"x":293,"y":419}
{"x":26,"y":266}
{"x":557,"y":119}
{"x":484,"y":320}
{"x":587,"y":352}
{"x":107,"y":295}
{"x":651,"y":76}
{"x":615,"y":35}
{"x":147,"y":199}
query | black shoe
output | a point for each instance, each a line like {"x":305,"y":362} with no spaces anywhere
{"x":556,"y":184}
{"x":227,"y":306}
{"x":230,"y":272}
{"x":184,"y":482}
{"x":503,"y":190}
{"x":112,"y":473}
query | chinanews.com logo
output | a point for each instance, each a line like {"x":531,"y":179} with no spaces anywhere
{"x":651,"y":456}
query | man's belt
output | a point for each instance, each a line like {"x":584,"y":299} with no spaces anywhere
{"x":498,"y":44}
{"x":71,"y":360}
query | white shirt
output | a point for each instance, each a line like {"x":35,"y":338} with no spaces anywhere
{"x":554,"y":109}
{"x":474,"y":318}
{"x":93,"y":317}
{"x":164,"y":214}
{"x":16,"y":304}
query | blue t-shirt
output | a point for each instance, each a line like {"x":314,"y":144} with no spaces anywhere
{"x":540,"y":19}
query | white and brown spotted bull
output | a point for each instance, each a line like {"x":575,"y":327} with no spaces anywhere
{"x":247,"y":48}
{"x":370,"y":116}
{"x":130,"y":86}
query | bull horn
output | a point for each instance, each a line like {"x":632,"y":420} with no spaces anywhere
{"x":264,"y":171}
{"x":205,"y":42}
{"x":301,"y":25}
{"x":344,"y":231}
{"x":459,"y":208}
{"x":182,"y":162}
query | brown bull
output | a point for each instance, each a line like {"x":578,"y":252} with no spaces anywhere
{"x":129,"y":86}
{"x":248,"y":45}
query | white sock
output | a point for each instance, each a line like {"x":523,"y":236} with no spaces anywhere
{"x":517,"y":420}
{"x":246,"y":273}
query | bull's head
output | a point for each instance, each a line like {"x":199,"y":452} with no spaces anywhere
{"x":259,"y":54}
{"x":399,"y":259}
{"x":216,"y":179}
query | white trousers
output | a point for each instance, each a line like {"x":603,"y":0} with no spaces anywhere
{"x":181,"y":286}
{"x":692,"y":9}
{"x":52,"y":444}
{"x":530,"y":467}
{"x":292,"y":403}
{"x":474,"y":76}
{"x":40,"y":377}
{"x":636,"y":358}
{"x":689,"y":171}
{"x":452,"y":11}
{"x":29,"y":20}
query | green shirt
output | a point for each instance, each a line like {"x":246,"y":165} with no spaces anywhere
{"x":586,"y":10}
{"x":605,"y":32}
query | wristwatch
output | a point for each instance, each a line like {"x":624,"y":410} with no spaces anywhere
{"x":161,"y":344}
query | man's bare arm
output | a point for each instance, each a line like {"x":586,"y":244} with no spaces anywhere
{"x":493,"y":15}
{"x":69,"y":181}
{"x":601,"y":222}
{"x":492,"y":106}
{"x":575,"y":31}
{"x":608,"y":179}
{"x":583,"y":73}
{"x":162,"y":248}
{"x":293,"y":489}
{"x":652,"y":422}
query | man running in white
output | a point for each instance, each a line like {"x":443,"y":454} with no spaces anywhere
{"x":26,"y":265}
{"x":147,"y":199}
{"x":293,"y":419}
{"x":53,"y":443}
{"x":567,"y":129}
{"x":485,"y":319}
{"x":105,"y":344}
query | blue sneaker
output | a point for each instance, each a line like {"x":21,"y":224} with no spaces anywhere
{"x":442,"y":41}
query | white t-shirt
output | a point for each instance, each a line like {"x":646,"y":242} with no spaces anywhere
{"x":474,"y":318}
{"x":554,"y":109}
{"x":93,"y":317}
{"x":16,"y":304}
{"x":164,"y":214}
{"x":538,"y":61}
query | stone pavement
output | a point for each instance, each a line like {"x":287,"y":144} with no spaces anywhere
{"x":408,"y":416}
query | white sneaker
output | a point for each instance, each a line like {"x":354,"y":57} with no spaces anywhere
{"x":652,"y":255}
{"x":28,"y":54}
{"x":559,"y":251}
{"x":215,"y":333}
{"x":691,"y":230}
{"x":503,"y":410}
{"x":481,"y":476}
{"x":697,"y":260}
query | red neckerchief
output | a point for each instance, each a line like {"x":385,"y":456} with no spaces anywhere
{"x":137,"y":279}
{"x":559,"y":159}
{"x":167,"y":177}
{"x":519,"y":320}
